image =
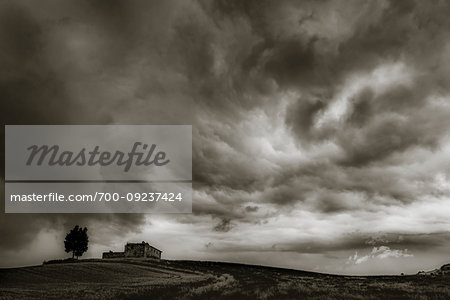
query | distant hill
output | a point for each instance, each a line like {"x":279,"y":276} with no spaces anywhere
{"x":144,"y":279}
{"x":442,"y":271}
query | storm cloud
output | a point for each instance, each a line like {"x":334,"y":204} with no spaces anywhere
{"x":317,"y":126}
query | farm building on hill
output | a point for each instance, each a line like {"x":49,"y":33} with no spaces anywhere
{"x":135,"y":250}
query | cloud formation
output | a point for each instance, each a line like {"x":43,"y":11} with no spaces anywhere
{"x":381,"y":252}
{"x":316,"y":125}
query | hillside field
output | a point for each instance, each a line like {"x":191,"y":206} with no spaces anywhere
{"x":149,"y":279}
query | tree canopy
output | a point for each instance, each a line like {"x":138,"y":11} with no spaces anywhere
{"x":76,"y":241}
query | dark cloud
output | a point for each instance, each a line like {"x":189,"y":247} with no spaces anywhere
{"x":251,"y":208}
{"x":292,"y":62}
{"x":223,"y":226}
{"x":354,"y":241}
{"x":34,"y":92}
{"x":301,"y":116}
{"x":306,"y":116}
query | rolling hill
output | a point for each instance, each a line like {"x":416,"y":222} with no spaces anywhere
{"x":165,"y":279}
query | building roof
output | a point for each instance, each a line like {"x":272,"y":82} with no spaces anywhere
{"x":144,"y":243}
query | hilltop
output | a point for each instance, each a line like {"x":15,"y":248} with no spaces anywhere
{"x":142,"y":279}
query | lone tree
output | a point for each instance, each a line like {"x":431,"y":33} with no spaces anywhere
{"x":76,"y":241}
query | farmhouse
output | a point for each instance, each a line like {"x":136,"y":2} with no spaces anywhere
{"x":135,"y":250}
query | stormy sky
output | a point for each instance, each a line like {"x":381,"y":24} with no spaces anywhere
{"x":320,"y":128}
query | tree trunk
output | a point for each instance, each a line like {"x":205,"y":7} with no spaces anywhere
{"x":73,"y":254}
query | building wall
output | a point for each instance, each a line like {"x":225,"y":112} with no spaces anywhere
{"x":152,"y":252}
{"x":141,"y":250}
{"x":135,"y":250}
